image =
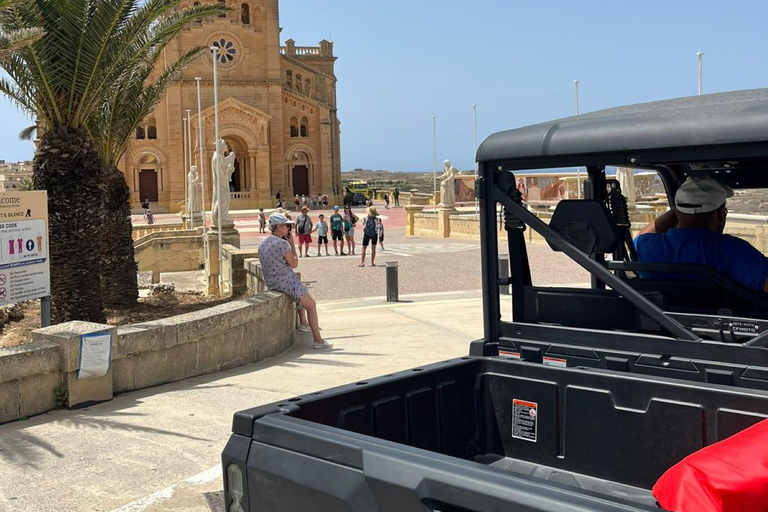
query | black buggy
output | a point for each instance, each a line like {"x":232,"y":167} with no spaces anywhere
{"x":586,"y":396}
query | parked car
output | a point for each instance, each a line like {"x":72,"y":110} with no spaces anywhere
{"x":359,"y":199}
{"x":586,"y":396}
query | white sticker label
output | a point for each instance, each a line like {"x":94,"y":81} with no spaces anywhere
{"x":554,"y":361}
{"x":525,"y":420}
{"x":509,"y":354}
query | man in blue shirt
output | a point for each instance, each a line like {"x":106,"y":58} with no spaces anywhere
{"x":692,"y":233}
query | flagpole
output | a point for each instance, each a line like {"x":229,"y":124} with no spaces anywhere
{"x":217,"y":174}
{"x":474,"y":153}
{"x":434,"y":159}
{"x":201,"y":153}
{"x":184,"y":143}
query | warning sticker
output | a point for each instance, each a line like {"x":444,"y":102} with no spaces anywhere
{"x":554,"y":361}
{"x":524,"y":420}
{"x":509,"y":354}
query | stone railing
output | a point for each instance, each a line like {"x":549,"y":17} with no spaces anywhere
{"x":41,"y":375}
{"x":170,"y":251}
{"x":142,"y":230}
{"x":241,"y":195}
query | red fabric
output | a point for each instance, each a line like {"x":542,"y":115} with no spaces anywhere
{"x":729,"y":476}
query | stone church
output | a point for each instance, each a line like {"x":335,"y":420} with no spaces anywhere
{"x":277,"y":112}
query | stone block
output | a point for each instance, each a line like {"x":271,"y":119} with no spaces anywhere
{"x":148,"y":336}
{"x":29,"y":359}
{"x":67,"y":337}
{"x":226,"y":350}
{"x":85,"y":391}
{"x":9,"y":401}
{"x":123,"y":371}
{"x":212,"y":321}
{"x":163,"y":366}
{"x":37,"y":394}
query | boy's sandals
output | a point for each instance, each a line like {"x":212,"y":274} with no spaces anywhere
{"x":361,"y":265}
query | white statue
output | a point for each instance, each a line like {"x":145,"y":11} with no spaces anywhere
{"x":226,"y":161}
{"x":193,"y":181}
{"x":447,"y":190}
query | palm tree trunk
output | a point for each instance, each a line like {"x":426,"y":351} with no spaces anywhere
{"x":68,"y":166}
{"x":119,"y":284}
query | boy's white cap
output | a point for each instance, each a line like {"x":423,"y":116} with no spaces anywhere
{"x":701,"y":195}
{"x":277,"y":219}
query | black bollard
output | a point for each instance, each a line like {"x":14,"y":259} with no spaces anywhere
{"x":393,"y":294}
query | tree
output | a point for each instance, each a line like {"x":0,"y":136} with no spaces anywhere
{"x":113,"y":127}
{"x":91,"y":50}
{"x":25,"y":185}
{"x":14,"y":39}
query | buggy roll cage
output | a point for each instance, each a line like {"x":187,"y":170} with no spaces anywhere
{"x":721,"y":135}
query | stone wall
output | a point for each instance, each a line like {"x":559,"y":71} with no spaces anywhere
{"x":466,"y":225}
{"x":172,"y":251}
{"x":234,"y":273}
{"x":38,"y":376}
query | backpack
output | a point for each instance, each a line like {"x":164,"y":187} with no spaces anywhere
{"x":370,"y":227}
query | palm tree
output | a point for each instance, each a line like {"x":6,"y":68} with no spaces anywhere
{"x":91,"y":51}
{"x":25,"y":185}
{"x":113,"y":126}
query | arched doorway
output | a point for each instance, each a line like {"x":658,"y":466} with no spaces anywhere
{"x":300,"y":169}
{"x":300,"y":180}
{"x":148,"y":178}
{"x":239,"y":180}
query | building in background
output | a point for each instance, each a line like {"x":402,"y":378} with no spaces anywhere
{"x":15,"y":176}
{"x":277,"y":111}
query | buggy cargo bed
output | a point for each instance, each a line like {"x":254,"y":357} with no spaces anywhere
{"x":480,"y":433}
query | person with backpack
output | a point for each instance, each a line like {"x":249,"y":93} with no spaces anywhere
{"x":370,"y":234}
{"x":350,"y":221}
{"x":304,"y":230}
{"x":337,"y":230}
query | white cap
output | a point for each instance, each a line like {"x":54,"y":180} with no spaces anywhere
{"x":277,"y":219}
{"x":701,"y":195}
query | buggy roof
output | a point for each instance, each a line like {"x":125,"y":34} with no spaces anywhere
{"x":713,"y":127}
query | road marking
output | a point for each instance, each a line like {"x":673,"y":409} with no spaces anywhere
{"x":209,"y":475}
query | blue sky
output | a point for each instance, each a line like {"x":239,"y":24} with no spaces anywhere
{"x":400,"y":62}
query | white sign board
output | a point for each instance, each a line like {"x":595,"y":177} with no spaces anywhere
{"x":24,"y":263}
{"x":95,"y":355}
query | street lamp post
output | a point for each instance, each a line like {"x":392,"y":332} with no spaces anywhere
{"x":700,"y":55}
{"x":434,"y":159}
{"x":217,"y":172}
{"x":200,"y":150}
{"x":578,"y":169}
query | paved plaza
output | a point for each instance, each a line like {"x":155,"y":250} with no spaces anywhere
{"x":159,"y":448}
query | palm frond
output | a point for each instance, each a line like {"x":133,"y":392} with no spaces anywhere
{"x":28,"y":132}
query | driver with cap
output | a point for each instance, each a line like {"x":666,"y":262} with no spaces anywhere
{"x":692,"y":233}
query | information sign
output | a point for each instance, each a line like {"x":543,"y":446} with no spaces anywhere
{"x":24,"y":262}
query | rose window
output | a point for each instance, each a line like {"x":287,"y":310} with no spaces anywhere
{"x":227,"y":50}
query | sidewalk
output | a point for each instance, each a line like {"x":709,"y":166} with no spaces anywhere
{"x":159,"y":449}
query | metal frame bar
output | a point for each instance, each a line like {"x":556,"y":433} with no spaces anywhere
{"x":492,"y":193}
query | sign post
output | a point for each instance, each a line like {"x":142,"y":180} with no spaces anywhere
{"x":25,"y":272}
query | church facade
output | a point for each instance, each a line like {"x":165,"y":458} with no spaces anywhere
{"x":277,"y":112}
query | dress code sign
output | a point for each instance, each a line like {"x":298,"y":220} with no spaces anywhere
{"x":24,"y":263}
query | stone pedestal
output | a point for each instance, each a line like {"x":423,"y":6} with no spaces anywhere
{"x":444,"y":221}
{"x":410,"y":220}
{"x":67,"y":336}
{"x":192,"y":221}
{"x":229,"y":236}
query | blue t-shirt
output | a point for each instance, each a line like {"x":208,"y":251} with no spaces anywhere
{"x":733,"y":257}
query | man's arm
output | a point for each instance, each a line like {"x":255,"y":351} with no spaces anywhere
{"x":661,"y":224}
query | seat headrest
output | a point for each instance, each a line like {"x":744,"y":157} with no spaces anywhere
{"x":587,"y":224}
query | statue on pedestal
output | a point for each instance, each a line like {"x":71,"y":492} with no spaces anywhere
{"x":225,"y":158}
{"x":626,"y":178}
{"x":447,"y":188}
{"x":193,"y":182}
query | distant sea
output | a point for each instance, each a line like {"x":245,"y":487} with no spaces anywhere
{"x":610,"y":171}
